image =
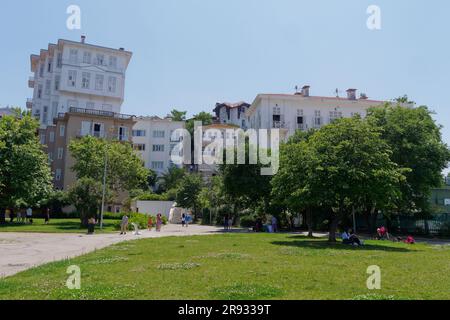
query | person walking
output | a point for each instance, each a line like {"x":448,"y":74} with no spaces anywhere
{"x":158,"y":222}
{"x":91,"y":225}
{"x":230,"y":223}
{"x":150,"y":223}
{"x":124,"y":224}
{"x":47,"y":216}
{"x":183,"y":220}
{"x":274,"y":224}
{"x":30,"y":215}
{"x":226,"y":222}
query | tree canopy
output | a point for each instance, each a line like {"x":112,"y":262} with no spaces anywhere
{"x":25,"y":176}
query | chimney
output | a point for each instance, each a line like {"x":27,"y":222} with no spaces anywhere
{"x":351,"y":94}
{"x":305,"y":91}
{"x":83,"y":39}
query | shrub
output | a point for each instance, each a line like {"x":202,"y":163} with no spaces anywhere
{"x":248,"y":221}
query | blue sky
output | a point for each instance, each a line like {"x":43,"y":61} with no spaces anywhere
{"x":189,"y":54}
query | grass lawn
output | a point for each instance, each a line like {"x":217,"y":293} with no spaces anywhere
{"x":55,"y":226}
{"x":242,"y":266}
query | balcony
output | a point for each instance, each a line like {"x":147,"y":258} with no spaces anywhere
{"x":29,"y":103}
{"x":301,"y":126}
{"x":31,"y":82}
{"x":101,"y":113}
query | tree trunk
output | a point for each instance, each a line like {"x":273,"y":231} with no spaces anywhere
{"x":2,"y":216}
{"x":373,"y":220}
{"x":334,"y":221}
{"x":309,"y":222}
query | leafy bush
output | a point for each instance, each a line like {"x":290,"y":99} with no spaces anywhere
{"x":248,"y":221}
{"x":153,"y":197}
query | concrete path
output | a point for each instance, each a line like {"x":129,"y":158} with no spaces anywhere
{"x":21,"y":251}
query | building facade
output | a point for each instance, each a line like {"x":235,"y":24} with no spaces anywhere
{"x":7,"y":112}
{"x":300,"y":111}
{"x":155,"y":138}
{"x":74,"y":124}
{"x":232,"y":113}
{"x":73,"y":74}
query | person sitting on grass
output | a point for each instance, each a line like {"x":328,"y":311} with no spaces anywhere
{"x":382,"y":233}
{"x":410,"y":240}
{"x":349,"y":237}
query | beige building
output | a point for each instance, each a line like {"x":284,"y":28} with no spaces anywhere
{"x":74,"y":124}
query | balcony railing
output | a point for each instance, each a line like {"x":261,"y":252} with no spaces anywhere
{"x":101,"y":113}
{"x":31,"y":82}
{"x":29,"y":103}
{"x":279,"y":125}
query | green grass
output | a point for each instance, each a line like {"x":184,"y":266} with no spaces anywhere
{"x":242,"y":266}
{"x":55,"y":226}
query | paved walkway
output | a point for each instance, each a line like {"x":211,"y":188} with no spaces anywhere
{"x":21,"y":251}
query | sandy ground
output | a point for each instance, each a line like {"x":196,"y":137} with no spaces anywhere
{"x":21,"y":251}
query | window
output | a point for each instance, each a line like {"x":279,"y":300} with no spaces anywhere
{"x":41,"y":70}
{"x":50,"y":156}
{"x":99,"y":130}
{"x":158,"y":148}
{"x":42,"y":138}
{"x":159,"y":134}
{"x":37,"y":114}
{"x":48,"y":87}
{"x":39,"y":92}
{"x":335,"y":115}
{"x":85,"y":128}
{"x":276,"y":110}
{"x":123,"y":133}
{"x":49,"y":65}
{"x":73,"y":58}
{"x":58,"y":174}
{"x":99,"y":82}
{"x":100,"y":60}
{"x":317,"y":119}
{"x":157,"y":165}
{"x":112,"y":84}
{"x":60,"y":153}
{"x":90,"y":105}
{"x":54,"y":109}
{"x":59,"y":60}
{"x":139,"y":147}
{"x":87,"y":57}
{"x":138,"y":133}
{"x":62,"y":130}
{"x":45,"y":115}
{"x":86,"y":79}
{"x":51,"y":136}
{"x":72,"y":79}
{"x":112,"y":62}
{"x":57,"y":81}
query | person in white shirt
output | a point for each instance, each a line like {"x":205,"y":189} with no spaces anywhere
{"x":30,"y":215}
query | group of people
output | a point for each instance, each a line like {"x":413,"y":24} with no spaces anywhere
{"x":228,"y":222}
{"x":273,"y":224}
{"x":26,"y":215}
{"x":349,"y":237}
{"x":125,"y":221}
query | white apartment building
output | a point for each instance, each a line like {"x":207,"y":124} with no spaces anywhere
{"x":154,"y":138}
{"x":300,"y":111}
{"x":232,"y":113}
{"x":76,"y":75}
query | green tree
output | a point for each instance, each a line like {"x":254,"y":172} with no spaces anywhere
{"x":171,"y":178}
{"x":204,"y":117}
{"x":416,"y":143}
{"x":188,"y":193}
{"x":244,"y":185}
{"x":86,"y":195}
{"x":25,"y":176}
{"x":178,"y":115}
{"x":125,"y":169}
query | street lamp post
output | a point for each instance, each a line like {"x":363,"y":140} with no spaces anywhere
{"x":105,"y":171}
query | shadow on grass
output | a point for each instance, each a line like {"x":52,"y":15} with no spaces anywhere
{"x":315,"y":244}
